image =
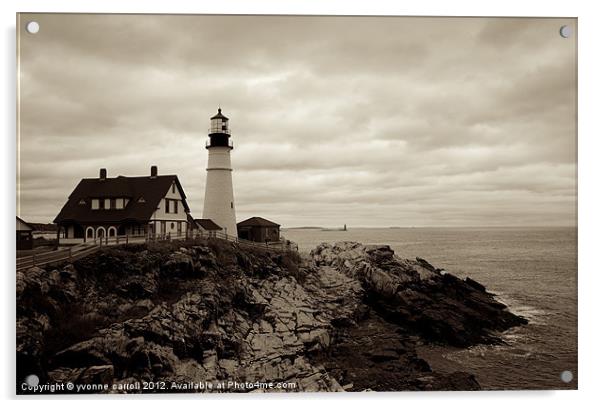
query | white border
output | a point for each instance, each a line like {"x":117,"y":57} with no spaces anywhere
{"x":590,"y":34}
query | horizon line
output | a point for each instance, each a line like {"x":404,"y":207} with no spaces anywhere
{"x":429,"y":226}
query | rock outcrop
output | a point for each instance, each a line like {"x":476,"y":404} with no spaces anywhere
{"x":209,"y":312}
{"x":414,"y":294}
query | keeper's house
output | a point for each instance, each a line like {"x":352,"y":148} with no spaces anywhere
{"x":149,"y":206}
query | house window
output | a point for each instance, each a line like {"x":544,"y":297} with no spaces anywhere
{"x":95,"y":204}
{"x":82,"y":202}
{"x":113,"y":204}
{"x":173,"y":188}
{"x":107,"y":203}
{"x":171,"y":206}
{"x":119,"y":203}
{"x":141,"y":200}
{"x":179,"y":228}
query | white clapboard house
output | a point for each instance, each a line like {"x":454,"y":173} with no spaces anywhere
{"x":146,"y":206}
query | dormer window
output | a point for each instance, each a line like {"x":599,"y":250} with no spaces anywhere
{"x":108,"y":203}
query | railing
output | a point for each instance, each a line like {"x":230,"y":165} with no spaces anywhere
{"x":138,"y":239}
{"x":79,"y":251}
{"x":281,"y":245}
{"x":68,"y":254}
{"x":230,"y":144}
{"x":120,"y":239}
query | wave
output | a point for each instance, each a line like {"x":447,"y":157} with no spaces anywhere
{"x":534,"y":315}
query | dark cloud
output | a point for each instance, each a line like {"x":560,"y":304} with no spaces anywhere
{"x":364,"y":121}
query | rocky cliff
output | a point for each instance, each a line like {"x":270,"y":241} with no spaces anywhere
{"x":178,"y":315}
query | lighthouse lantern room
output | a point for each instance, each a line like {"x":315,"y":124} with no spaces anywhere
{"x":219,"y":132}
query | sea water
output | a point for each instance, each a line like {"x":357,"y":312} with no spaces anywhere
{"x":532,"y":270}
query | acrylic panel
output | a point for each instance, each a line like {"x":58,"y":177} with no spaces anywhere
{"x":228,"y":203}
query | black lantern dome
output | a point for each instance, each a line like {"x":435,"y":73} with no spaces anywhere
{"x":219,"y":132}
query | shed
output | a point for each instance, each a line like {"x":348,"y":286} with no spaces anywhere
{"x":24,"y":235}
{"x":207,"y":224}
{"x":202,"y":225}
{"x":259,"y":230}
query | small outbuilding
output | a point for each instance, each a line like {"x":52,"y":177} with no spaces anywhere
{"x":24,"y":235}
{"x":259,"y":230}
{"x":203,"y":226}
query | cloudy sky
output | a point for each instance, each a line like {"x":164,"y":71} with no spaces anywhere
{"x":365,"y":121}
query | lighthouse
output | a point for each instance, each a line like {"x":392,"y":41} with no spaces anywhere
{"x":219,"y":194}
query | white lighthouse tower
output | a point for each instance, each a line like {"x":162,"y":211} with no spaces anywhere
{"x":219,"y":194}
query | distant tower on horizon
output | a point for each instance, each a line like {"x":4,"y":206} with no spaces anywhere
{"x":219,"y":194}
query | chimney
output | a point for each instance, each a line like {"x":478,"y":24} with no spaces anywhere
{"x":103,"y":174}
{"x":153,"y":172}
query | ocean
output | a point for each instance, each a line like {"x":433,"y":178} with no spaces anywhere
{"x":532,"y":270}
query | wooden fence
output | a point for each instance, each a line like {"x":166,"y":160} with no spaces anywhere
{"x":282,"y":246}
{"x":68,"y":254}
{"x":75,"y":252}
